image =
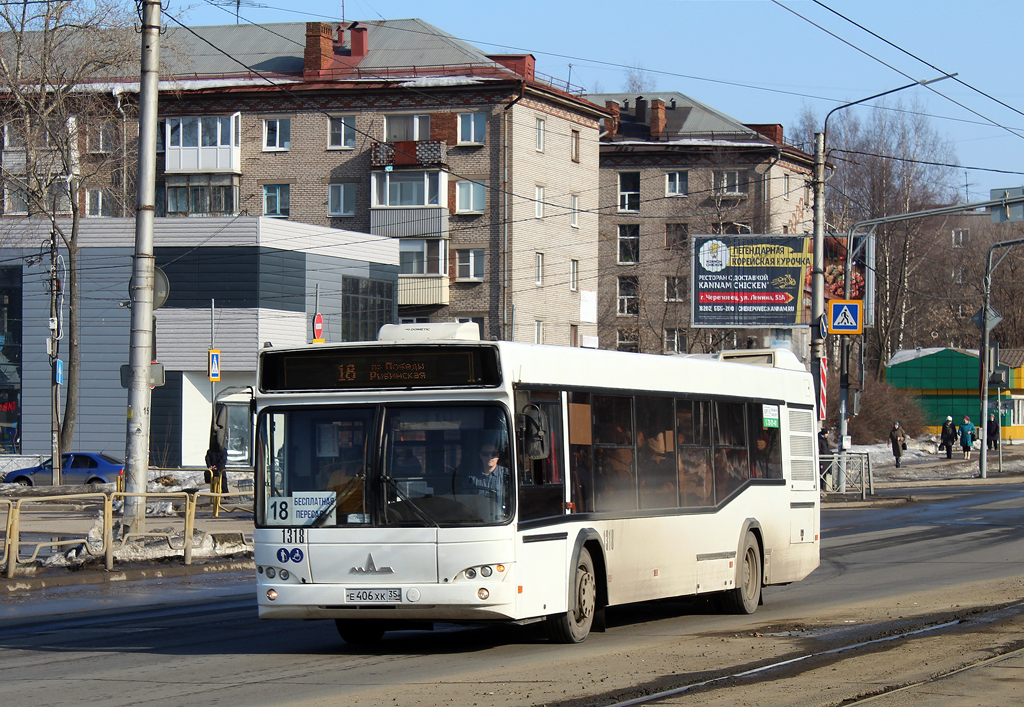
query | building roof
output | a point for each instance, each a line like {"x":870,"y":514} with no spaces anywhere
{"x":278,"y":48}
{"x":685,"y":117}
{"x":912,"y":354}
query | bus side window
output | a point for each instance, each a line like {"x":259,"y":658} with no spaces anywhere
{"x":732,"y":468}
{"x":614,"y":471}
{"x":581,"y":468}
{"x":541,"y":488}
{"x":696,"y":482}
{"x":765,"y":445}
{"x":656,"y":453}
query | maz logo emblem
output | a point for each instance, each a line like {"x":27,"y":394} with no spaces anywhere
{"x":371,"y":568}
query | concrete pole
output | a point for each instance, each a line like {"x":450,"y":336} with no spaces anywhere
{"x":54,"y":350}
{"x":818,"y":269}
{"x":140,"y":353}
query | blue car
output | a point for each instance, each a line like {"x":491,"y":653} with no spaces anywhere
{"x":78,"y":468}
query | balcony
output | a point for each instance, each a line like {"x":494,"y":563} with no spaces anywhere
{"x":409,"y":221}
{"x":422,"y":289}
{"x":408,"y":153}
{"x":192,"y":160}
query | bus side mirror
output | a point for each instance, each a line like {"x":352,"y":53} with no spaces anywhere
{"x":536,"y":438}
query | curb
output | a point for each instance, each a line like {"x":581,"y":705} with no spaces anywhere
{"x":28,"y":583}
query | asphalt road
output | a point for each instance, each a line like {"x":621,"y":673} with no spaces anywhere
{"x":210,"y":648}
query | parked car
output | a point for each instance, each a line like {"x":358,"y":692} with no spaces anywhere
{"x":78,"y":468}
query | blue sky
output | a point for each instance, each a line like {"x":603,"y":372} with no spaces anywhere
{"x":753,"y":59}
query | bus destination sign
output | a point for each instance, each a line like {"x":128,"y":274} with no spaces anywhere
{"x":379,"y":367}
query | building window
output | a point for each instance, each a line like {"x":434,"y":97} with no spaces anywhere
{"x":101,"y":138}
{"x":406,"y":188}
{"x":574,"y":145}
{"x":538,"y":332}
{"x":207,"y":131}
{"x":469,"y":264}
{"x":539,"y":279}
{"x":674,"y":289}
{"x":414,"y":320}
{"x":366,"y":306}
{"x":627,"y":339}
{"x":469,"y":197}
{"x":960,"y":236}
{"x":574,"y":335}
{"x":341,"y":199}
{"x":538,"y":201}
{"x":677,"y":236}
{"x":574,"y":211}
{"x":731,"y":182}
{"x":629,"y":191}
{"x":540,"y":135}
{"x":479,"y":321}
{"x":341,"y":131}
{"x":958,"y":275}
{"x":277,"y":134}
{"x":15,"y":200}
{"x":677,"y":183}
{"x":201,"y":195}
{"x":98,"y":203}
{"x":785,"y":186}
{"x":675,"y":341}
{"x":629,"y":244}
{"x":574,"y":275}
{"x":628,"y":296}
{"x":14,"y":135}
{"x":402,"y":128}
{"x":276,"y":198}
{"x":423,"y":256}
{"x":472,"y":128}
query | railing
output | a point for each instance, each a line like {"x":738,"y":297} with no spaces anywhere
{"x":408,"y":153}
{"x":843,"y":470}
{"x":100,"y":541}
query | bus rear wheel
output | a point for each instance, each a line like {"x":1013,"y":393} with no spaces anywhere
{"x":574,"y":625}
{"x":359,"y":633}
{"x":747,"y":594}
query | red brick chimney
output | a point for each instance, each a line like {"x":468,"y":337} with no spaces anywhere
{"x":611,"y":125}
{"x":522,"y":64}
{"x":657,"y":118}
{"x":772,"y":131}
{"x":319,"y":53}
{"x":358,"y":34}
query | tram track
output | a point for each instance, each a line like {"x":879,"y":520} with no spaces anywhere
{"x":884,"y":635}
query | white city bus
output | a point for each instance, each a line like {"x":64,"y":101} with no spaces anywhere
{"x":433,"y":477}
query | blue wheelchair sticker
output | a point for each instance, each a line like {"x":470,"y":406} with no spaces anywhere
{"x":296,"y":555}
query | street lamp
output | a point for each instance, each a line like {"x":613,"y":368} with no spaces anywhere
{"x":818,"y":268}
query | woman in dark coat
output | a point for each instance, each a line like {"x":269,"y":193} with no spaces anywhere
{"x":949,"y":436}
{"x":898,"y":441}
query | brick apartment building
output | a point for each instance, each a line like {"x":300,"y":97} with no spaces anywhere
{"x":671,"y":167}
{"x":485,"y":172}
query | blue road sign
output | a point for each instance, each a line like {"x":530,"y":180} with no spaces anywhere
{"x":845,"y":316}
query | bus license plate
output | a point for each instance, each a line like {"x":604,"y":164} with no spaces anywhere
{"x":373,"y":596}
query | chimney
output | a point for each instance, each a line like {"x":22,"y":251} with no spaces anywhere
{"x":772,"y":131}
{"x":319,"y":52}
{"x":358,"y":33}
{"x":341,"y":35}
{"x":611,"y":125}
{"x":641,"y":110}
{"x":522,"y":64}
{"x":657,"y":118}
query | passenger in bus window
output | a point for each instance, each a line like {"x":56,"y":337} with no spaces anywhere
{"x":695,"y":485}
{"x":613,"y":483}
{"x":655,"y":470}
{"x":730,"y":471}
{"x":582,"y":478}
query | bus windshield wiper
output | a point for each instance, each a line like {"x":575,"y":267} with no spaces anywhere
{"x":420,"y":513}
{"x":346,"y":490}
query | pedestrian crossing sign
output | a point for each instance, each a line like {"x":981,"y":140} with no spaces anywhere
{"x":846,"y":316}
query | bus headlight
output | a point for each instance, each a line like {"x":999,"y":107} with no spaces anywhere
{"x":482,"y":593}
{"x":271,"y":572}
{"x":271,"y":595}
{"x":486,"y":570}
{"x":284,"y":574}
{"x":470,"y":573}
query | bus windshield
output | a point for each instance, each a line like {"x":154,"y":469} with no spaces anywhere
{"x":438,"y":465}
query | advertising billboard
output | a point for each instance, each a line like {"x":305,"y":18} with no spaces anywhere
{"x":750,"y":281}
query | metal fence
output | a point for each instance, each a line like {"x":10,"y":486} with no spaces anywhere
{"x":47,"y":525}
{"x":845,"y":471}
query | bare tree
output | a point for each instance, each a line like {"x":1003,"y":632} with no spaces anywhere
{"x":65,"y":145}
{"x":637,"y":80}
{"x":889,"y":163}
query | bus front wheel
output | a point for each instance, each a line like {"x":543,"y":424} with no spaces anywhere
{"x":747,"y":594}
{"x":359,"y":632}
{"x":574,"y":625}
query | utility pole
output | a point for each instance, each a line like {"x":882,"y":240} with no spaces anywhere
{"x":140,"y":353}
{"x":818,"y":271}
{"x":53,"y":349}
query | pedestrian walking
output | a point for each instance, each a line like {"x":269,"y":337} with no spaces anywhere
{"x":824,"y":453}
{"x":967,"y":436}
{"x":992,"y":432}
{"x":948,"y":436}
{"x":898,"y":441}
